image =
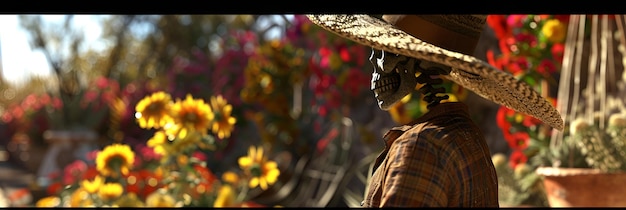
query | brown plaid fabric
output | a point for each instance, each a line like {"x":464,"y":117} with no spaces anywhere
{"x":439,"y":160}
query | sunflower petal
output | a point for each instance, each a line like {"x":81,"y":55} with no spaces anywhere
{"x":259,"y":155}
{"x":254,"y":181}
{"x":245,"y":162}
{"x":263,"y":183}
{"x":272,"y":176}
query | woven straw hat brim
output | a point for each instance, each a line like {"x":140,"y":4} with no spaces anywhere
{"x":467,"y":71}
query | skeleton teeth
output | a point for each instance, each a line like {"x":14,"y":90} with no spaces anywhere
{"x":389,"y":83}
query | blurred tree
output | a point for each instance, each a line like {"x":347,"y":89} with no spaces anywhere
{"x":138,"y":48}
{"x":154,"y":40}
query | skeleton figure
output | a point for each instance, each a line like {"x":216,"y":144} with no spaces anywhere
{"x":395,"y":76}
{"x":440,"y":159}
{"x":415,"y":152}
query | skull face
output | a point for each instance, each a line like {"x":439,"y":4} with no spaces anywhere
{"x":393,"y":77}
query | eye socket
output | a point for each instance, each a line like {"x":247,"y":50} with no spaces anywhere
{"x":386,"y":61}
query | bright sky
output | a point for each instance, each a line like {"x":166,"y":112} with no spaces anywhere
{"x":19,"y":61}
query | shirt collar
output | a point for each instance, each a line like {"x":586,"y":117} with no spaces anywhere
{"x":436,"y":111}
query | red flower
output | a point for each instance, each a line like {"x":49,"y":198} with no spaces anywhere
{"x":531,"y":39}
{"x":501,"y":119}
{"x":325,"y":54}
{"x":518,"y":65}
{"x":517,"y":157}
{"x":90,"y":173}
{"x":506,"y":45}
{"x":344,"y":54}
{"x":199,"y":155}
{"x":7,"y":117}
{"x":515,"y":21}
{"x":102,"y":82}
{"x":54,"y":188}
{"x":557,"y":52}
{"x":491,"y":58}
{"x":133,"y":182}
{"x":499,"y":26}
{"x":142,"y":182}
{"x":18,"y":112}
{"x":546,"y":67}
{"x":322,"y":110}
{"x":147,"y":154}
{"x":73,"y":171}
{"x":31,"y":102}
{"x":518,"y":140}
{"x":530,"y":121}
{"x":207,"y":179}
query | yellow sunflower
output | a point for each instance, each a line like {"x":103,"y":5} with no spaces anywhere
{"x":80,"y":198}
{"x":92,"y":186}
{"x":230,"y":177}
{"x":180,"y":139}
{"x":47,"y":202}
{"x":191,"y":115}
{"x":152,"y":110}
{"x":263,"y":172}
{"x":225,"y":197}
{"x":110,"y":191}
{"x":554,"y":30}
{"x":224,"y":123}
{"x":159,"y":143}
{"x":114,"y":159}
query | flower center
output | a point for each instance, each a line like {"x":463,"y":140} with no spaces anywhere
{"x":154,"y":107}
{"x":218,"y":116}
{"x":190,"y":117}
{"x":115,"y":163}
{"x":255,"y":170}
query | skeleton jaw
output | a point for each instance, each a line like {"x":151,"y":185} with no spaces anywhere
{"x":390,"y":88}
{"x":393,"y":78}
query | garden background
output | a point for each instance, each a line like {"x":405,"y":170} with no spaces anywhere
{"x":292,"y":120}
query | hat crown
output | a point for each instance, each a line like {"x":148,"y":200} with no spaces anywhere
{"x":459,"y":33}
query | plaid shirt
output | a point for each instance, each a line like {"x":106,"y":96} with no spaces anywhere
{"x":439,"y":160}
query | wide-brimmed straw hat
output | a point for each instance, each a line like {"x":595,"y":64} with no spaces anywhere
{"x":394,"y":34}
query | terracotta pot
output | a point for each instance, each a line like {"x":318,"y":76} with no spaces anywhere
{"x":582,"y":187}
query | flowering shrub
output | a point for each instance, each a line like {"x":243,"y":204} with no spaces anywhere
{"x":29,"y":117}
{"x":298,"y":87}
{"x":289,"y":96}
{"x":27,"y":121}
{"x":531,"y":48}
{"x":169,"y":171}
{"x":40,"y":112}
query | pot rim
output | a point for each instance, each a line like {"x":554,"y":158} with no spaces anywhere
{"x":557,"y":171}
